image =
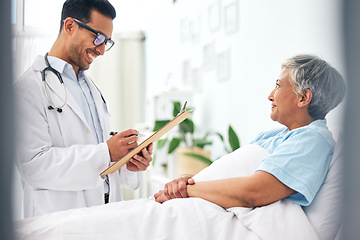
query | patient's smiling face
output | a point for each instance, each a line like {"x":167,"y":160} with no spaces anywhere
{"x":284,"y":101}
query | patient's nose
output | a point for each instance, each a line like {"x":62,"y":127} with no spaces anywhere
{"x":271,"y":96}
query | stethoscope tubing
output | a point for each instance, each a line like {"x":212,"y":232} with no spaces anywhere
{"x":58,"y":75}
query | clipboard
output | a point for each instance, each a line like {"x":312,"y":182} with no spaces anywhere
{"x":154,"y":137}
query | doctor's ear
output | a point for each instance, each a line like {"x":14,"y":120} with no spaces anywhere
{"x":68,"y":25}
{"x":305,"y":98}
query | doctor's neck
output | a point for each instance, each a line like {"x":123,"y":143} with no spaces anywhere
{"x":59,"y":51}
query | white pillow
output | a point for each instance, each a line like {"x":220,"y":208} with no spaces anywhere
{"x":241,"y":162}
{"x":324,"y":212}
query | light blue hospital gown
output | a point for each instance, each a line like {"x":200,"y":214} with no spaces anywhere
{"x":299,"y":158}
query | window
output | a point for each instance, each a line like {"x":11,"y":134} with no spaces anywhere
{"x":13,"y":11}
{"x":42,"y":13}
{"x":39,"y":15}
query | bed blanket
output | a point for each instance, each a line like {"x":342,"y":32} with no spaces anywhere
{"x":190,"y":218}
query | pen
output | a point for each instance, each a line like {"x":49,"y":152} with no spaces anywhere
{"x":139,"y":135}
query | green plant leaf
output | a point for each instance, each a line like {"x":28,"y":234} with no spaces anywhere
{"x":221,"y":138}
{"x":176,"y":109}
{"x":233,"y":139}
{"x":214,"y":133}
{"x":199,"y":157}
{"x":154,"y":158}
{"x":159,"y":124}
{"x":174,"y":143}
{"x":187,"y":126}
{"x":161,"y":143}
{"x":201,"y":143}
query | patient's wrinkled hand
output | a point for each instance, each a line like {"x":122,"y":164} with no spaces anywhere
{"x":160,"y":197}
{"x":175,"y":189}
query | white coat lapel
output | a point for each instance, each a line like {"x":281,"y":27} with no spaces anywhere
{"x":54,"y":87}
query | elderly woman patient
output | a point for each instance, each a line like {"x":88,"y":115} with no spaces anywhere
{"x":294,"y":165}
{"x":300,"y":152}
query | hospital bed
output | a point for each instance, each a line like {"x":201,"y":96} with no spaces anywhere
{"x":194,"y":218}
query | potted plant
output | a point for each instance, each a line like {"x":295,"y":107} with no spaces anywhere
{"x":194,"y":145}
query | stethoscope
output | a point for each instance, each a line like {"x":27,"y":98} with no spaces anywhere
{"x":58,"y":75}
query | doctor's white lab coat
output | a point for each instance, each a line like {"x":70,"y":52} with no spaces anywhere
{"x":57,"y":155}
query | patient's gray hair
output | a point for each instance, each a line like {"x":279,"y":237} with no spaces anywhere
{"x":324,"y":81}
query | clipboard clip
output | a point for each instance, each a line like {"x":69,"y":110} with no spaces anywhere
{"x":183,"y":109}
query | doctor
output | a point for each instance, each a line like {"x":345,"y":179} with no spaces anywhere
{"x":63,"y":121}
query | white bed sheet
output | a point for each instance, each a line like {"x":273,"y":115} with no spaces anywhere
{"x":190,"y":218}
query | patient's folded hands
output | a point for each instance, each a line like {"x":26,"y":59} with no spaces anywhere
{"x":160,"y":197}
{"x":177,"y":188}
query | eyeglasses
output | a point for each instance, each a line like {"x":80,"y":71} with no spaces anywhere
{"x":100,"y":38}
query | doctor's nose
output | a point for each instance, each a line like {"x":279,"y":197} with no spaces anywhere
{"x":100,"y":49}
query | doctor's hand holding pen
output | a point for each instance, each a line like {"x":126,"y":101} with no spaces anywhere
{"x":123,"y":142}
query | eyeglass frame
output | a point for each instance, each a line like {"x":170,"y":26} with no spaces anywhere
{"x":83,"y":25}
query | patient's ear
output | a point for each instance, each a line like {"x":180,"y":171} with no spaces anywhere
{"x":305,"y":98}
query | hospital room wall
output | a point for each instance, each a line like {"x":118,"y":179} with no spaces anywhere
{"x":267,"y":32}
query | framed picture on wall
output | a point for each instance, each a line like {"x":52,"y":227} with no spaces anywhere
{"x":223,"y":66}
{"x":209,"y":56}
{"x":186,"y":72}
{"x":196,"y":79}
{"x":195,"y":28}
{"x":214,"y":16}
{"x":184,"y":29}
{"x":231,"y":17}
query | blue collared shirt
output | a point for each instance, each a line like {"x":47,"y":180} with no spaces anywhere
{"x":80,"y":91}
{"x":299,"y":158}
